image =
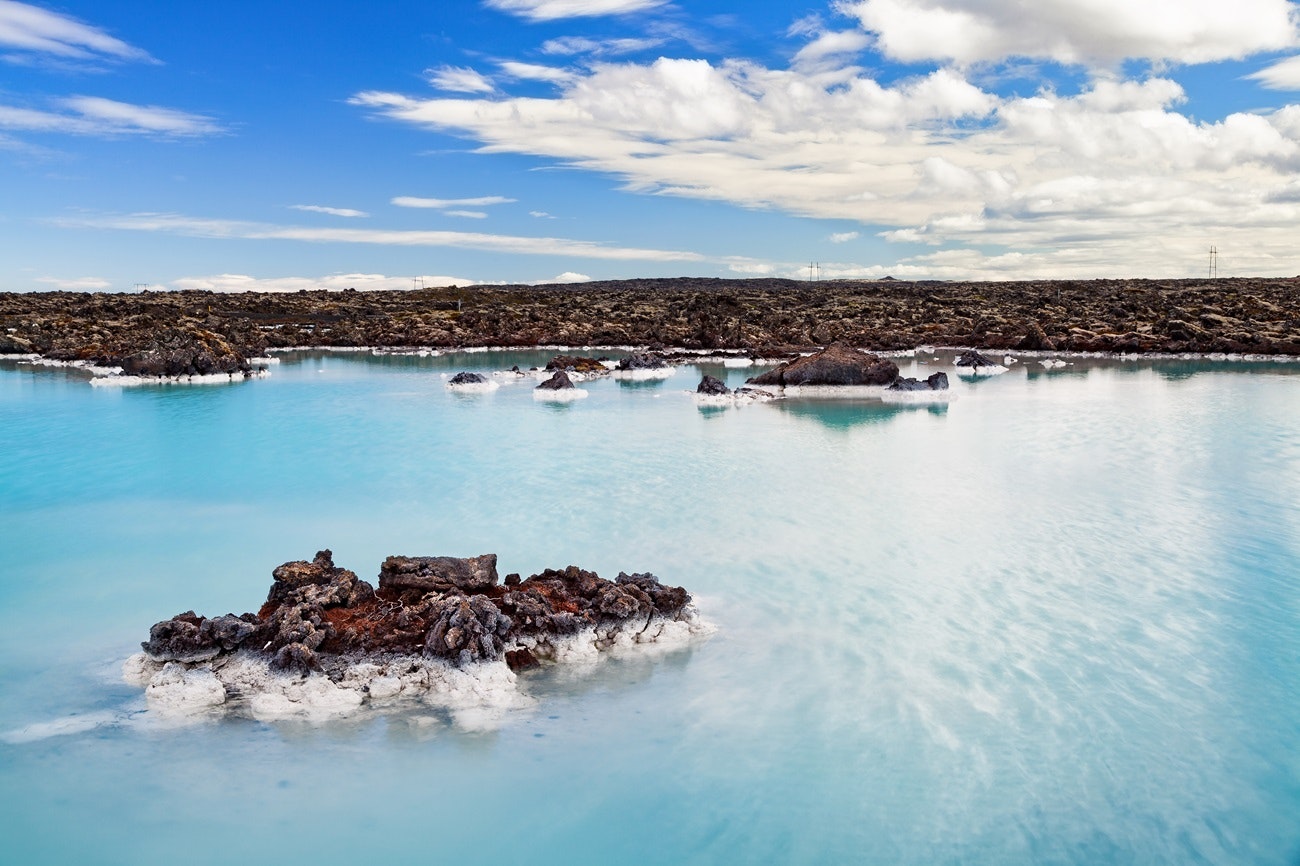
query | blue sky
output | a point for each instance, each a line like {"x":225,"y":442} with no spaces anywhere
{"x":256,"y":145}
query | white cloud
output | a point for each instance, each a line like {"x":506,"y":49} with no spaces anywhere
{"x":440,"y":203}
{"x":200,"y":227}
{"x":459,"y":79}
{"x":33,"y":29}
{"x":1090,"y":32}
{"x":550,"y":10}
{"x":569,"y":277}
{"x":844,"y":237}
{"x":331,"y":282}
{"x":92,"y":115}
{"x":468,"y":214}
{"x":932,"y":158}
{"x":829,"y":49}
{"x":537,"y":72}
{"x":540,"y":214}
{"x":332,"y":211}
{"x":1283,"y":75}
{"x":568,"y":46}
{"x":78,"y":284}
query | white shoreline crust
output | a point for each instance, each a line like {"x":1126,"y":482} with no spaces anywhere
{"x":477,"y":696}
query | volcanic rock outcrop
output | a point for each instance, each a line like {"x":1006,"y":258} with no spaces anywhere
{"x":558,"y":382}
{"x":837,"y":364}
{"x":577,"y":364}
{"x":433,"y":607}
{"x":712,"y":386}
{"x":934,"y":382}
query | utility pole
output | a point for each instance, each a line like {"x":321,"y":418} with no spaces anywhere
{"x":1214,"y":262}
{"x":140,"y":287}
{"x":814,"y":271}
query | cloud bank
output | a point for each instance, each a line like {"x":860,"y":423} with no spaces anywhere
{"x":1110,"y":179}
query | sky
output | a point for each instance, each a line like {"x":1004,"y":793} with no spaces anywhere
{"x":271,"y":146}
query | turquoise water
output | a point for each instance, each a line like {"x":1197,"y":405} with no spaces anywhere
{"x":1057,"y":621}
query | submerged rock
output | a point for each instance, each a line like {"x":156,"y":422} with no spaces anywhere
{"x":837,"y":364}
{"x":934,"y":382}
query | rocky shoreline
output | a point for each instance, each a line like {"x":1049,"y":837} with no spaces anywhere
{"x":192,"y":333}
{"x":326,"y":641}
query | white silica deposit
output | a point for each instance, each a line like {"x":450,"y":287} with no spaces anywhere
{"x":477,"y":696}
{"x":923,"y":398}
{"x":645,"y":375}
{"x":563,"y":395}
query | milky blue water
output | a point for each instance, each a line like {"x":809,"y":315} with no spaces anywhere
{"x":1057,"y":621}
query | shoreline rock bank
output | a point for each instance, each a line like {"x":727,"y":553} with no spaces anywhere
{"x":196,"y":333}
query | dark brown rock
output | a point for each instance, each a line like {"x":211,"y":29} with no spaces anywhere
{"x":558,"y":382}
{"x":439,"y":573}
{"x":837,"y":364}
{"x":712,"y":386}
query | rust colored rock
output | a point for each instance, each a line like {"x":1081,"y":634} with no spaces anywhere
{"x":576,"y":363}
{"x":433,"y":605}
{"x":521,"y":660}
{"x":837,"y":364}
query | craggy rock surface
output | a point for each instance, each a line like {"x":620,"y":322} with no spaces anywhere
{"x":558,"y":382}
{"x":836,"y":365}
{"x":712,"y":386}
{"x":643,"y":361}
{"x":971,"y":358}
{"x":576,"y":363}
{"x":766,"y":316}
{"x":466,"y":378}
{"x":934,"y":382}
{"x":435,"y":606}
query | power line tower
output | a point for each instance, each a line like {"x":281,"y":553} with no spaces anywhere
{"x":814,"y":271}
{"x":1214,"y":262}
{"x":140,"y":287}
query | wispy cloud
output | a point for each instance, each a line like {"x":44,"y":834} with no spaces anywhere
{"x":332,"y":211}
{"x":459,"y":79}
{"x":330,"y":282}
{"x":93,"y":115}
{"x":1283,"y":75}
{"x":31,"y":29}
{"x":199,"y":227}
{"x":843,"y":237}
{"x":537,"y":72}
{"x":76,"y":284}
{"x":468,"y":214}
{"x":440,"y":203}
{"x":540,"y":214}
{"x":568,"y":46}
{"x":550,"y":10}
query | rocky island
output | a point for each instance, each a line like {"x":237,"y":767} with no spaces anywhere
{"x":326,"y":640}
{"x":197,"y":333}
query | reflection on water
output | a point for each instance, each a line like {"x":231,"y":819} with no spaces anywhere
{"x":1056,"y":621}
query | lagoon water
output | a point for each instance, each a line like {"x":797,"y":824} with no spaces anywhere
{"x":1057,"y":621}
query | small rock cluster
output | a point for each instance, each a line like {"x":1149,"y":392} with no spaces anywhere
{"x":435,"y":606}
